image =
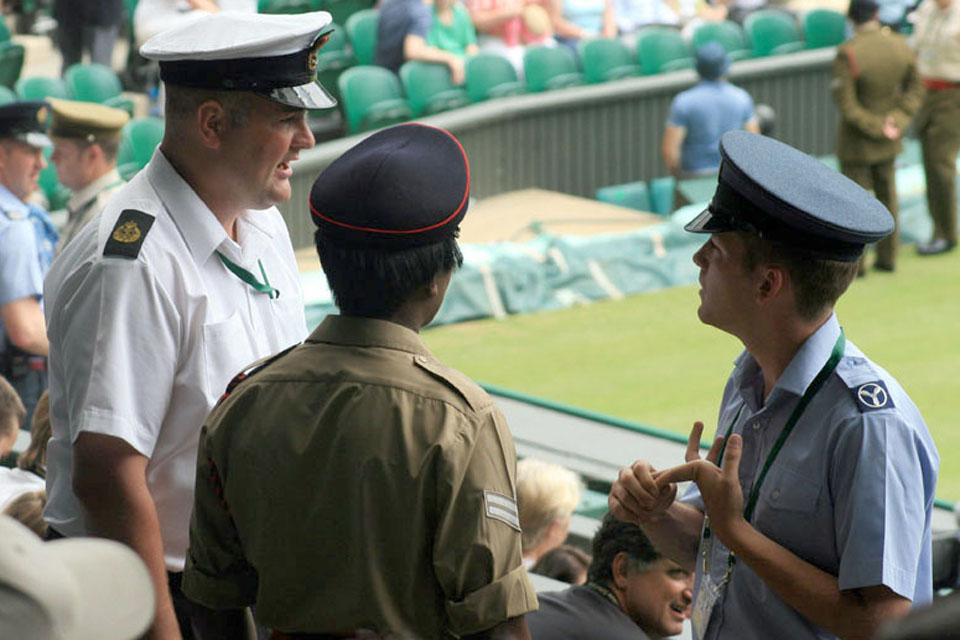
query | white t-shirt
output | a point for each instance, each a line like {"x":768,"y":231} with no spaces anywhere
{"x":142,"y":348}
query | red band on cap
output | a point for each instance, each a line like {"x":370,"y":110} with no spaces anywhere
{"x":463,"y":202}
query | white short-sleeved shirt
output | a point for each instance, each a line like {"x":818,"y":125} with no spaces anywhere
{"x":142,"y":348}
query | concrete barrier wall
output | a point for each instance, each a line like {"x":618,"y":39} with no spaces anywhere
{"x":576,"y":140}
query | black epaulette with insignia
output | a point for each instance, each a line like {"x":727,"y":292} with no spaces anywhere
{"x":128,"y":234}
{"x":872,"y":396}
{"x":253,"y":370}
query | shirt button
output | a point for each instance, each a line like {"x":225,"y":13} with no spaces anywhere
{"x":775,"y":494}
{"x":422,"y":358}
{"x":756,"y":425}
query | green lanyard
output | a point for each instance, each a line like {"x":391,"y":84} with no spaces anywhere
{"x":805,"y":399}
{"x":249,"y":278}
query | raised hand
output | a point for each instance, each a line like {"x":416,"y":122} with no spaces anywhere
{"x":635,"y":496}
{"x":719,"y":486}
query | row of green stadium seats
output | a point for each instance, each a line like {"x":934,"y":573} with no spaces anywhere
{"x":341,"y":10}
{"x":83,"y":82}
{"x":373,"y":98}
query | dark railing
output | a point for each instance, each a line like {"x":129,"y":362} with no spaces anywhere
{"x":576,"y":140}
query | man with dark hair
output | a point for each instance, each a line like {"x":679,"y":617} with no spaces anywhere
{"x":700,"y":115}
{"x":186,"y":277}
{"x":817,"y":496}
{"x":356,"y":455}
{"x":877,"y":89}
{"x":86,"y":139}
{"x":632,"y":592}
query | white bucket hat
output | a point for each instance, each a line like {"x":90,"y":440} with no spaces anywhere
{"x":70,"y":589}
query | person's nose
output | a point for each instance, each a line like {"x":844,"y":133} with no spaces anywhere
{"x":698,"y":258}
{"x":303,"y":139}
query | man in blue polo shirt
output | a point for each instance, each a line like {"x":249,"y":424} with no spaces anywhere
{"x":27,"y":239}
{"x":810,"y":517}
{"x":699,"y":116}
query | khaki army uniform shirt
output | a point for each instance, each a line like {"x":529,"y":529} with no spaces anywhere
{"x":936,"y":37}
{"x":875,"y":76}
{"x":357,"y":483}
{"x":87,"y":203}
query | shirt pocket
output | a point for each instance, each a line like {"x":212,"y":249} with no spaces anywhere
{"x":226,"y":351}
{"x":791,"y":491}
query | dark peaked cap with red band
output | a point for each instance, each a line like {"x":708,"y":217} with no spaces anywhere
{"x":402,"y":187}
{"x":783,"y":194}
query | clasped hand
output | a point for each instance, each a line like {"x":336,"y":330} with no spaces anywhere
{"x":642,"y":494}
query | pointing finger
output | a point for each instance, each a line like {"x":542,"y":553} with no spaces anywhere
{"x":693,"y":444}
{"x":731,"y":459}
{"x":680,"y":473}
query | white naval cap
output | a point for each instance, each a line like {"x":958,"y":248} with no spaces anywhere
{"x":272,"y":55}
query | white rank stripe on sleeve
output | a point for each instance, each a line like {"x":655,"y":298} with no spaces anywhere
{"x":500,"y":507}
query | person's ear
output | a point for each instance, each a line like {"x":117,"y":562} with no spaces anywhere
{"x":211,"y":123}
{"x":620,"y":567}
{"x":772,"y":282}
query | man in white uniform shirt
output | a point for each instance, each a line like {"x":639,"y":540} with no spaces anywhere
{"x":186,"y":277}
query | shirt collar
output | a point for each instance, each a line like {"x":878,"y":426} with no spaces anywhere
{"x":367,"y":332}
{"x":806,"y":363}
{"x":92,"y":190}
{"x":200,"y":229}
{"x":10,"y":203}
{"x":199,"y":226}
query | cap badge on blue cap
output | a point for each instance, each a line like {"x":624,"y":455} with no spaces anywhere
{"x":42,"y":115}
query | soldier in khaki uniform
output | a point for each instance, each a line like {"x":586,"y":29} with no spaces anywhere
{"x":877,"y":89}
{"x":355,"y":483}
{"x":86,"y":139}
{"x":937,"y":40}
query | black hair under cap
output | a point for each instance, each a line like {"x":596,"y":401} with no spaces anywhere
{"x":786,"y":196}
{"x":402,"y":187}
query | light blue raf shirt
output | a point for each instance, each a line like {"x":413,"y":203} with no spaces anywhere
{"x":851,"y":492}
{"x":27,"y":239}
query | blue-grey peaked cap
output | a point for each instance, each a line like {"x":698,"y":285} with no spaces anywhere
{"x":791,"y":198}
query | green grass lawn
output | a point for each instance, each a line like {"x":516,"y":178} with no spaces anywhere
{"x":648,"y":359}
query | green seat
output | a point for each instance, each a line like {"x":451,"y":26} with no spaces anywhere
{"x":662,"y":49}
{"x":334,"y":58}
{"x":634,"y":195}
{"x":96,"y":83}
{"x":4,"y":31}
{"x":662,"y":194}
{"x":7,"y":95}
{"x":57,"y":194}
{"x":11,"y":63}
{"x":824,"y":28}
{"x":288,"y":6}
{"x":372,"y":98}
{"x":548,"y":68}
{"x":491,"y":76}
{"x":606,"y":59}
{"x":362,"y":31}
{"x":343,"y":10}
{"x":772,"y":33}
{"x":40,"y":88}
{"x":430,"y":89}
{"x":727,"y":33}
{"x":137,"y":144}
